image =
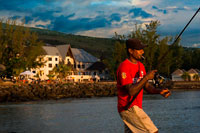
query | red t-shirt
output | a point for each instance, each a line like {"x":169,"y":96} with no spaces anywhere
{"x":128,"y":73}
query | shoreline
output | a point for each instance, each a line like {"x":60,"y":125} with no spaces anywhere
{"x":35,"y":92}
{"x":56,"y":91}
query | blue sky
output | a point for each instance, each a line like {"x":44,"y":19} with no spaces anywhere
{"x":102,"y":18}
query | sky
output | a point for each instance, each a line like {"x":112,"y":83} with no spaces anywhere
{"x":102,"y":18}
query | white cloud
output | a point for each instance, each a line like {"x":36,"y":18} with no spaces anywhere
{"x":140,"y":3}
{"x":34,"y":23}
{"x":196,"y":45}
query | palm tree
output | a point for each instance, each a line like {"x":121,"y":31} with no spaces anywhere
{"x":186,"y":76}
{"x":196,"y":77}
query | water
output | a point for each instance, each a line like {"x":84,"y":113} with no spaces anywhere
{"x":180,"y":113}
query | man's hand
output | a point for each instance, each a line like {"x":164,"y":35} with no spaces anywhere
{"x":150,"y":75}
{"x":165,"y":93}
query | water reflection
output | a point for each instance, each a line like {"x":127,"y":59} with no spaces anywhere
{"x":178,"y":113}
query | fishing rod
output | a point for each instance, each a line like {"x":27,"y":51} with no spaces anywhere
{"x":164,"y":55}
{"x":157,"y":76}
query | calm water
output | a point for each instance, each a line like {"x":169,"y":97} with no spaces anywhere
{"x":178,"y":114}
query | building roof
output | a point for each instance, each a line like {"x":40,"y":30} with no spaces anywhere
{"x":82,"y":56}
{"x":97,"y":66}
{"x":178,"y":72}
{"x":197,"y":70}
{"x":63,"y":50}
{"x":50,"y":50}
{"x":191,"y":71}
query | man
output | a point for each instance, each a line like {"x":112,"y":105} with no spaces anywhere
{"x":131,"y":79}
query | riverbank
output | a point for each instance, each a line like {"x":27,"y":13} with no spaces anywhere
{"x":183,"y":85}
{"x":32,"y":92}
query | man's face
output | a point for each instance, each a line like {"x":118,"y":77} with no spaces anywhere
{"x":136,"y":54}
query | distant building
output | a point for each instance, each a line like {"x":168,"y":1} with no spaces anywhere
{"x":85,"y":65}
{"x":193,"y":72}
{"x":99,"y":68}
{"x":176,"y":75}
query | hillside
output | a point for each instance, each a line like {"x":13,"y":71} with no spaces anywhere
{"x":95,"y":46}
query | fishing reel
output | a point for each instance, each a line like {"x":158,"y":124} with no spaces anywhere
{"x":158,"y":81}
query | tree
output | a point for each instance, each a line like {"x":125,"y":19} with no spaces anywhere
{"x":62,"y":70}
{"x":158,"y":53}
{"x":177,"y":53}
{"x":18,"y":48}
{"x":165,"y":65}
{"x":118,"y":55}
{"x":196,"y":77}
{"x":186,"y":76}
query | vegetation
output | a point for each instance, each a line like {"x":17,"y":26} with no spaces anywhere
{"x":196,"y":77}
{"x":93,"y":45}
{"x":18,"y":48}
{"x":159,"y":54}
{"x":112,"y":51}
{"x":62,"y":70}
{"x":186,"y":76}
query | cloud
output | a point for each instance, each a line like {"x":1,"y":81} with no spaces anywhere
{"x":104,"y":17}
{"x":196,"y":45}
{"x":115,"y":17}
{"x":108,"y":32}
{"x":160,"y":10}
{"x":140,"y":3}
{"x":64,"y":24}
{"x":139,"y":12}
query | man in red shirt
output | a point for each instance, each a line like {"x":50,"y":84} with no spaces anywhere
{"x":131,"y":79}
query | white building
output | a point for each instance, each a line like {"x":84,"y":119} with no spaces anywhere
{"x":193,"y":72}
{"x":78,"y":58}
{"x":176,"y":75}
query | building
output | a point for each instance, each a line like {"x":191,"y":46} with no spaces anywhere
{"x":176,"y":75}
{"x":193,"y":72}
{"x":83,"y":63}
{"x":99,"y":68}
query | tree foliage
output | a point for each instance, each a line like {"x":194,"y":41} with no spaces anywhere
{"x":62,"y":70}
{"x":186,"y":76}
{"x":159,"y":53}
{"x":18,"y":47}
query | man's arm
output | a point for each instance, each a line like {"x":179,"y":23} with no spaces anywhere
{"x":151,"y":89}
{"x":133,"y":89}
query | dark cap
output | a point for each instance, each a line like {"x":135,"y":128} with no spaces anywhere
{"x":134,"y":44}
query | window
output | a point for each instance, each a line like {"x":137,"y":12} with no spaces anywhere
{"x":79,"y":66}
{"x":50,"y":65}
{"x":75,"y":66}
{"x":68,"y":61}
{"x":56,"y":65}
{"x":56,"y":59}
{"x":83,"y":66}
{"x":49,"y":59}
{"x":33,"y":71}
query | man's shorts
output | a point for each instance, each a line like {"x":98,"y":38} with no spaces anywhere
{"x":137,"y":121}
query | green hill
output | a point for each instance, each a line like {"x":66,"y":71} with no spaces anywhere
{"x":93,"y":45}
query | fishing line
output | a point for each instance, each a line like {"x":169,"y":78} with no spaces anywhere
{"x":164,"y":55}
{"x":158,"y":80}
